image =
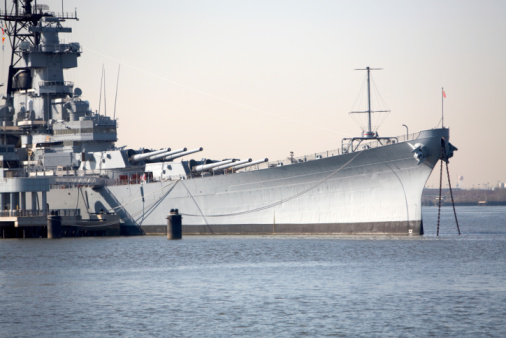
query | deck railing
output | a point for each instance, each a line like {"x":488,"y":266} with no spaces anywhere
{"x":373,"y":143}
{"x":80,"y":179}
{"x":34,"y":213}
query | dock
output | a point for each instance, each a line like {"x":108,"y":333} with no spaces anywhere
{"x":29,"y":224}
{"x":25,"y":212}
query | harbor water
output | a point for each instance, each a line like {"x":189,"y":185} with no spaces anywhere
{"x":262,"y":286}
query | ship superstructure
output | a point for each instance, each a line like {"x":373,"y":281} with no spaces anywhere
{"x":369,"y":185}
{"x":53,"y":124}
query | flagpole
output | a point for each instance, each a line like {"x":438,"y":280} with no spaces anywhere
{"x":442,"y":108}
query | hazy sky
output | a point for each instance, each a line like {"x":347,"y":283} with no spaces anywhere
{"x":263,"y":78}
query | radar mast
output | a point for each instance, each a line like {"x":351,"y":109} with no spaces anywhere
{"x":20,"y":22}
{"x":369,"y":133}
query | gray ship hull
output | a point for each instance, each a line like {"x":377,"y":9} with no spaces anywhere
{"x":51,"y":135}
{"x":372,"y":191}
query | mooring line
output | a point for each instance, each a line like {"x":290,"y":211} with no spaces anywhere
{"x":278,"y":202}
{"x":198,"y":207}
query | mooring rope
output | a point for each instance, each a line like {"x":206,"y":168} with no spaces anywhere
{"x":116,"y":208}
{"x":278,"y":202}
{"x":136,"y":199}
{"x":198,"y":207}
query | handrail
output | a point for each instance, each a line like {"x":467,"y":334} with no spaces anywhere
{"x":35,"y":213}
{"x":55,"y":83}
{"x":329,"y":153}
{"x":11,"y":15}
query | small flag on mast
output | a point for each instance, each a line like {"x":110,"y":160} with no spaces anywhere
{"x":444,"y":94}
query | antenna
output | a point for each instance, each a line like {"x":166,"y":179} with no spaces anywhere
{"x":105,"y":96}
{"x":101,"y":82}
{"x":116,"y":97}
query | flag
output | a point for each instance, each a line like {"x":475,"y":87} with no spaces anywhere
{"x":444,"y":94}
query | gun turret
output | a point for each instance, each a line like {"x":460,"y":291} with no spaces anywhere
{"x":167,"y":153}
{"x":251,"y":163}
{"x":233,"y":164}
{"x":139,"y":157}
{"x":204,"y":167}
{"x":184,"y":153}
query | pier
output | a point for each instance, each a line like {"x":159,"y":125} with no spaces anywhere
{"x":28,"y":224}
{"x":32,"y":218}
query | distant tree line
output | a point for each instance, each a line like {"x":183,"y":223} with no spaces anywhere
{"x":465,"y":197}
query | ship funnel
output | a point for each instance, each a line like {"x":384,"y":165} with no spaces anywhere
{"x":221,"y":167}
{"x":204,"y":167}
{"x":140,"y":157}
{"x":251,"y":163}
{"x":184,"y":153}
{"x":155,"y":157}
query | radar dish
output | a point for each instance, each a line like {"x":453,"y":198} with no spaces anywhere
{"x":77,"y":92}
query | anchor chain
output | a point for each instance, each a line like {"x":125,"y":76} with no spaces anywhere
{"x":445,"y":158}
{"x":451,"y":195}
{"x":440,"y":188}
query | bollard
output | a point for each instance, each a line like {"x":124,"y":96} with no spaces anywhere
{"x":174,"y":225}
{"x":53,"y":226}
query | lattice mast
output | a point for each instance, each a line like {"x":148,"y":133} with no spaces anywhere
{"x":30,"y":28}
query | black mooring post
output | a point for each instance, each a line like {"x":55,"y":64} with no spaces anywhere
{"x":53,"y":226}
{"x":174,"y":225}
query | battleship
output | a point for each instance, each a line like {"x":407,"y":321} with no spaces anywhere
{"x":54,"y":147}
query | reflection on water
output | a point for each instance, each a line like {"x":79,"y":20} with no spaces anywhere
{"x":262,"y":285}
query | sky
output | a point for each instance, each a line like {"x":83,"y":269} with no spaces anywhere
{"x":263,"y":78}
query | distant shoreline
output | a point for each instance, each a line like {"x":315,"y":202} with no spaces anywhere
{"x":464,"y":197}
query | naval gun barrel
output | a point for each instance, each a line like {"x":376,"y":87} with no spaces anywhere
{"x":233,"y":164}
{"x":167,"y":153}
{"x":251,"y":163}
{"x":140,"y":157}
{"x":204,"y":167}
{"x":184,"y":153}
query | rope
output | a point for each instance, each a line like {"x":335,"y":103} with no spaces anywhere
{"x":200,"y":210}
{"x":130,"y":216}
{"x":230,"y":214}
{"x":149,"y":206}
{"x":280,"y":201}
{"x":131,"y":201}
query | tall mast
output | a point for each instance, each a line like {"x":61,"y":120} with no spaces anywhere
{"x":369,"y":133}
{"x":369,"y":96}
{"x":21,"y":22}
